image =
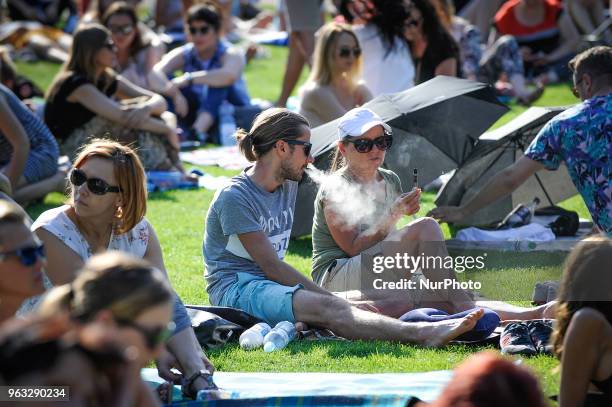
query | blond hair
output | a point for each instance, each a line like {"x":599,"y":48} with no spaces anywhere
{"x":324,"y":52}
{"x":128,"y":172}
{"x":10,"y":213}
{"x":585,"y":283}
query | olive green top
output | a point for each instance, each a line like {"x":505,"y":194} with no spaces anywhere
{"x":361,"y":207}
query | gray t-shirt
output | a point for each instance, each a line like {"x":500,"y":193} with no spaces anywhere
{"x":242,"y":207}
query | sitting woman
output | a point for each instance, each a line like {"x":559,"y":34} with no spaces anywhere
{"x":356,"y":212}
{"x":28,"y":151}
{"x":434,"y":51}
{"x":333,"y":87}
{"x":212,"y":73}
{"x":136,"y":56}
{"x":106,"y":212}
{"x":583,"y":333}
{"x":387,"y":64}
{"x":545,"y":33}
{"x":501,"y":64}
{"x":81,"y":104}
{"x":94,"y":334}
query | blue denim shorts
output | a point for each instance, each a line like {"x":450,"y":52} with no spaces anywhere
{"x":179,"y":315}
{"x":262,"y":298}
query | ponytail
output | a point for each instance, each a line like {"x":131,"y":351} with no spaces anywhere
{"x":245,"y":144}
{"x":270,"y":126}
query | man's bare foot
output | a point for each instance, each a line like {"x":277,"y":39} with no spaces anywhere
{"x":440,"y":333}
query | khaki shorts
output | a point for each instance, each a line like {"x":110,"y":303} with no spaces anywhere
{"x":345,"y":274}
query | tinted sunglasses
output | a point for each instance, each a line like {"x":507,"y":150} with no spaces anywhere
{"x":363,"y":145}
{"x":26,"y":255}
{"x":110,"y":45}
{"x":152,"y":336}
{"x":121,"y":29}
{"x":345,"y":52}
{"x":413,"y":22}
{"x":575,"y":88}
{"x":307,"y":146}
{"x":95,"y":185}
{"x":202,"y":30}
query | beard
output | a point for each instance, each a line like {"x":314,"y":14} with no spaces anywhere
{"x":291,"y":174}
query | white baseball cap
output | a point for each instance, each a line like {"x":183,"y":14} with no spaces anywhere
{"x":357,"y":121}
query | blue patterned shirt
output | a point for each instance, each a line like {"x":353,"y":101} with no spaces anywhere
{"x":582,"y":138}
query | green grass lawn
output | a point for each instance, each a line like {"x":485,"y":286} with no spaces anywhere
{"x":178,"y":218}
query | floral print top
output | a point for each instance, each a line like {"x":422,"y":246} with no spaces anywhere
{"x":56,"y":222}
{"x":582,"y":138}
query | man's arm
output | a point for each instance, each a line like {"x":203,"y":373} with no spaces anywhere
{"x":226,"y":75}
{"x":261,"y":251}
{"x":500,"y":185}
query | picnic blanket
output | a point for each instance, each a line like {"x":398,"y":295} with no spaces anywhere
{"x":381,"y":389}
{"x":228,"y":157}
{"x":541,"y":240}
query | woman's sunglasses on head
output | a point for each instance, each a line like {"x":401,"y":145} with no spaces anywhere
{"x":363,"y":145}
{"x":201,"y":30}
{"x":95,"y":185}
{"x":121,"y":29}
{"x":346,"y":52}
{"x":307,"y":146}
{"x":27,"y":255}
{"x":153,"y":336}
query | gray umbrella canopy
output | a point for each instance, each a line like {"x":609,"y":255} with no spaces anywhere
{"x":497,"y":150}
{"x":435,"y":126}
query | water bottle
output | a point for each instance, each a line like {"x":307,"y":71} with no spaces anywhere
{"x":227,"y":124}
{"x":520,"y":216}
{"x":280,"y":336}
{"x":254,"y":336}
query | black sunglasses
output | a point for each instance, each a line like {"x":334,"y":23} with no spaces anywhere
{"x":26,"y":255}
{"x":363,"y":145}
{"x":345,"y":52}
{"x":411,"y":22}
{"x":121,"y":29}
{"x":152,"y":336}
{"x":307,"y":145}
{"x":110,"y":45}
{"x":95,"y":185}
{"x":202,"y":30}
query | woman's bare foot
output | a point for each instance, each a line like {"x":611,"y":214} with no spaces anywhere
{"x":440,"y":333}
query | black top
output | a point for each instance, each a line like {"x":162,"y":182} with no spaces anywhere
{"x":63,"y":117}
{"x":425,"y":67}
{"x":605,"y":387}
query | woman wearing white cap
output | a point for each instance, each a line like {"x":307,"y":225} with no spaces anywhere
{"x":356,"y":212}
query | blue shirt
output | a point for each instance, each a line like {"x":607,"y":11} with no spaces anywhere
{"x":582,"y":138}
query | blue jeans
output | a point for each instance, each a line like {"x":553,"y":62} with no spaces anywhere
{"x":179,"y":315}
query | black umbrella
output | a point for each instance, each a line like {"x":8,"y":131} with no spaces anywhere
{"x":497,"y":150}
{"x":435,"y":126}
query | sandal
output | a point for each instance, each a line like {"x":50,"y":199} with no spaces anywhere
{"x":187,"y":387}
{"x":164,"y":392}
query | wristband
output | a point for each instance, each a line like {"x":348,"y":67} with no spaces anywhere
{"x":189,"y":78}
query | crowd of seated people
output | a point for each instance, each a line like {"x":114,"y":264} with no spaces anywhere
{"x":87,"y":280}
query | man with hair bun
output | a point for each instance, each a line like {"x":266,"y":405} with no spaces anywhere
{"x":248,"y":227}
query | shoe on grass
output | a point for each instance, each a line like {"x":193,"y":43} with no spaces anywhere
{"x":515,"y":340}
{"x":540,"y":331}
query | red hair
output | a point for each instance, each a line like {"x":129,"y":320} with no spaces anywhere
{"x":486,"y":380}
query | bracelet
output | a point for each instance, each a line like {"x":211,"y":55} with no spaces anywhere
{"x":189,"y":78}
